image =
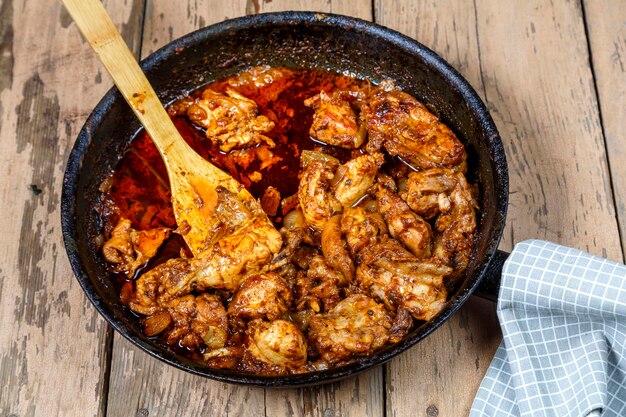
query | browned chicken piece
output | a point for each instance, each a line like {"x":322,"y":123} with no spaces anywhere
{"x":259,"y":77}
{"x":357,"y":326}
{"x":316,"y":202}
{"x":231,"y":260}
{"x":246,"y":252}
{"x":261,"y":296}
{"x":231,"y":120}
{"x":355,"y":177}
{"x":391,"y":274}
{"x":407,"y":129}
{"x":149,"y":286}
{"x":362,"y":229}
{"x":223,"y":358}
{"x":273,"y":348}
{"x":427,"y":191}
{"x":334,"y":250}
{"x":457,"y":228}
{"x":318,"y":289}
{"x":198,"y":321}
{"x":404,"y":225}
{"x":128,"y":249}
{"x":294,"y":234}
{"x":402,"y":324}
{"x":270,"y":201}
{"x":335,"y":121}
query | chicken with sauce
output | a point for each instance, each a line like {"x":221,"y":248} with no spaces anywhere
{"x":231,"y":120}
{"x":369,"y":236}
{"x":405,"y":128}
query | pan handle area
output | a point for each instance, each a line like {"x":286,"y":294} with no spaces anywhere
{"x":490,"y":283}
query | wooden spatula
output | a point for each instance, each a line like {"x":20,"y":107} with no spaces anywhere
{"x":193,"y":180}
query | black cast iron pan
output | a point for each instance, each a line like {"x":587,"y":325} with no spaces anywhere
{"x":292,"y":39}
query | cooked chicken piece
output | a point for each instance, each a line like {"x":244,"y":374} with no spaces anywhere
{"x":404,"y":225}
{"x":148,"y":287}
{"x":334,"y":249}
{"x":198,"y":321}
{"x":362,"y":229}
{"x":457,"y":228}
{"x":270,"y":201}
{"x":261,"y":296}
{"x":231,"y":260}
{"x":355,"y":177}
{"x":407,"y":129}
{"x":335,"y":122}
{"x":274,"y":348}
{"x":318,"y":289}
{"x":402,"y":324}
{"x":231,"y":120}
{"x":427,"y":191}
{"x":357,"y":326}
{"x":391,"y":274}
{"x":129,"y":249}
{"x":294,"y":233}
{"x":223,"y":358}
{"x":246,"y":252}
{"x":316,"y":202}
{"x":261,"y":77}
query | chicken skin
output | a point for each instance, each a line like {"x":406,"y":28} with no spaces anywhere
{"x":261,"y":296}
{"x":274,"y":348}
{"x":457,"y":228}
{"x":316,"y":201}
{"x":404,"y":225}
{"x":407,"y":129}
{"x":326,"y":188}
{"x":335,"y":122}
{"x":334,"y":249}
{"x":128,"y":249}
{"x":231,"y":120}
{"x":319,"y":288}
{"x":198,"y":321}
{"x":357,"y":326}
{"x":427,"y":192}
{"x":231,"y":260}
{"x":362,"y":229}
{"x":355,"y":177}
{"x":391,"y":274}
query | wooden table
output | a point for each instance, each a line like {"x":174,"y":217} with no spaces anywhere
{"x":551,"y":72}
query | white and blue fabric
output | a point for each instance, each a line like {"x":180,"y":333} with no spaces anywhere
{"x":563,"y":318}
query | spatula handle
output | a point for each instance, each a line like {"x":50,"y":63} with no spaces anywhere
{"x":98,"y":29}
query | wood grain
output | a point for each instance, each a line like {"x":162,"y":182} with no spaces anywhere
{"x":53,"y":359}
{"x":141,"y":384}
{"x":535,"y":78}
{"x":606,"y":26}
{"x":425,"y":381}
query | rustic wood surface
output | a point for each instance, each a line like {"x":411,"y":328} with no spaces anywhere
{"x":552,"y":74}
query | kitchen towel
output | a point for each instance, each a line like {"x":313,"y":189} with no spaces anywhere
{"x":563,"y":318}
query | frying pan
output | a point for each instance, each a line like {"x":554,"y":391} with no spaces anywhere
{"x":293,"y":39}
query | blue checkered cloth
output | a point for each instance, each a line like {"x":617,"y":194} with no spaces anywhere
{"x":563,"y":318}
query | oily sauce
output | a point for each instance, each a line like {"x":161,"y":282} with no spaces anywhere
{"x":139,"y":187}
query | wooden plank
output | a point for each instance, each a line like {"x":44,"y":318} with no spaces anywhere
{"x":607,"y":39}
{"x":537,"y":83}
{"x":426,"y":380}
{"x":357,"y":396}
{"x":140,"y":384}
{"x":53,"y":344}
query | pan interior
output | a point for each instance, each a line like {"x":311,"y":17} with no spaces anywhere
{"x":335,"y":43}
